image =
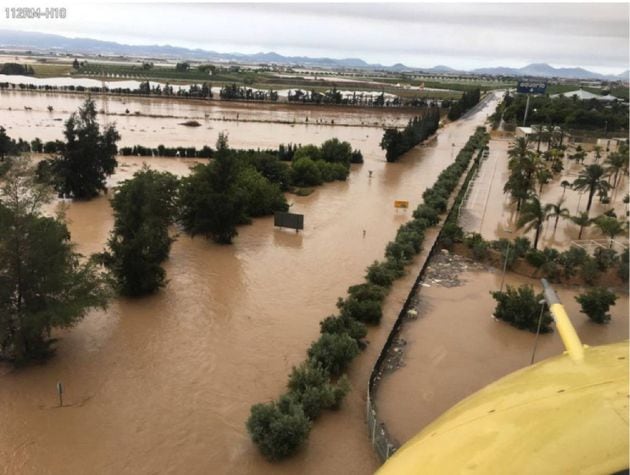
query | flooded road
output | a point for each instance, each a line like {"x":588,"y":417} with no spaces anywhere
{"x":164,"y":384}
{"x":455,"y":348}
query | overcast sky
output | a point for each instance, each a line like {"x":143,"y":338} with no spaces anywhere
{"x":466,"y":36}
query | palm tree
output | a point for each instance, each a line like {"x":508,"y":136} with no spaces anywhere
{"x":582,"y":220}
{"x":598,"y":152}
{"x":533,"y":216}
{"x":591,"y":179}
{"x":543,"y":176}
{"x":522,"y":165}
{"x":565,"y":184}
{"x":616,"y":163}
{"x":610,"y":226}
{"x":518,"y":149}
{"x":555,"y":210}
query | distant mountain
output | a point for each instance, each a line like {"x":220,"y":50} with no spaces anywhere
{"x":42,"y":42}
{"x":545,"y":70}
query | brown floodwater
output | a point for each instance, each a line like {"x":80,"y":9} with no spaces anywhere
{"x":455,"y":347}
{"x":164,"y":384}
{"x":492,"y":213}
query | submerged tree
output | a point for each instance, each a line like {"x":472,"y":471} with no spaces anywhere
{"x":88,"y":156}
{"x":582,"y":220}
{"x":533,"y":216}
{"x":44,"y":284}
{"x":557,"y":211}
{"x":591,"y":179}
{"x":144,"y":207}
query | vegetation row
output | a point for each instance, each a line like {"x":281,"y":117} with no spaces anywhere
{"x":396,"y":142}
{"x":279,"y":428}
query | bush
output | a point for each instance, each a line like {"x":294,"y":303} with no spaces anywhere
{"x":520,"y":308}
{"x":571,"y":259}
{"x":310,"y":386}
{"x":333,"y":352}
{"x":407,"y":236}
{"x":605,"y":258}
{"x":306,"y":173}
{"x":344,"y":324}
{"x":589,"y":271}
{"x":427,"y":213}
{"x":380,"y":274}
{"x":278,"y":429}
{"x":403,"y":252}
{"x":366,"y":311}
{"x":451,"y":233}
{"x":595,"y":304}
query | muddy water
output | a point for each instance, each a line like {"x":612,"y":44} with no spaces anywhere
{"x":454,"y":348}
{"x":155,"y":121}
{"x":164,"y":384}
{"x":492,"y":213}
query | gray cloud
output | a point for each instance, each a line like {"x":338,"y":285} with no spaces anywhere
{"x":460,"y":35}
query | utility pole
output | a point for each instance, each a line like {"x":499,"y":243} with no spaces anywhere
{"x":526,"y":110}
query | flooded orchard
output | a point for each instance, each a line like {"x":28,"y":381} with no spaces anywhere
{"x":164,"y":384}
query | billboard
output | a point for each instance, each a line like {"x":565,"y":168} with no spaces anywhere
{"x":531,"y":86}
{"x":288,"y":220}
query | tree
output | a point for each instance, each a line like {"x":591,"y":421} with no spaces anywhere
{"x":616,"y":162}
{"x":144,"y":207}
{"x":595,"y":304}
{"x":333,"y":352}
{"x":520,"y":308}
{"x":278,"y":428}
{"x":591,"y":179}
{"x":88,"y":156}
{"x":310,"y":386}
{"x":555,"y":210}
{"x":211,"y":204}
{"x":610,"y":226}
{"x":306,"y":173}
{"x":598,"y":152}
{"x":44,"y":284}
{"x":75,"y":64}
{"x":523,"y":164}
{"x":533,"y":216}
{"x":5,"y":144}
{"x":582,"y":220}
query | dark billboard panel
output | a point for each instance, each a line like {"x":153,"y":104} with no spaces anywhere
{"x":288,"y":220}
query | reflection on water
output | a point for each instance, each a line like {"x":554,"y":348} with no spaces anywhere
{"x":164,"y":384}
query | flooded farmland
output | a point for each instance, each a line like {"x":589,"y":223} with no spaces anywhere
{"x":164,"y":384}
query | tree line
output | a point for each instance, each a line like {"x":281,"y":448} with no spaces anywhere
{"x":280,"y":428}
{"x":567,"y":112}
{"x":468,"y":100}
{"x":396,"y":142}
{"x":15,"y":69}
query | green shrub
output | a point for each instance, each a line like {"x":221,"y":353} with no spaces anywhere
{"x":605,"y":258}
{"x":407,"y":236}
{"x":366,"y":311}
{"x":278,"y":428}
{"x":306,"y":173}
{"x":401,"y":251}
{"x":520,"y":308}
{"x":589,"y":270}
{"x":535,"y":258}
{"x":595,"y":304}
{"x":451,"y":233}
{"x":344,"y":324}
{"x":333,"y":352}
{"x":367,"y":291}
{"x":380,"y":274}
{"x":310,"y":386}
{"x":572,"y":259}
{"x":429,"y":214}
